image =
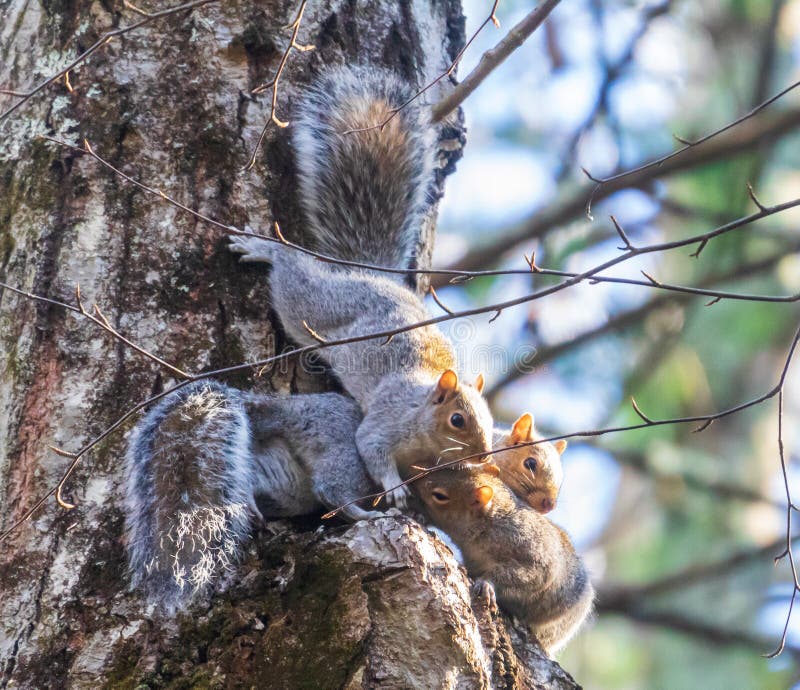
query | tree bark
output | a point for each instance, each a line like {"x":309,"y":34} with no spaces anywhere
{"x":379,"y":604}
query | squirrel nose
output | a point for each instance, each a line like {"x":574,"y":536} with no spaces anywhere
{"x":546,"y":505}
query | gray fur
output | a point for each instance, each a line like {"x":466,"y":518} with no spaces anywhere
{"x":175,"y":552}
{"x":374,"y":183}
{"x":359,"y":211}
{"x":192,"y":493}
{"x":536,"y":574}
{"x":317,"y":432}
{"x":392,"y":382}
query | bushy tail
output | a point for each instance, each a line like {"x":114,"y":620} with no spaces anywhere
{"x":189,"y":498}
{"x":364,"y":192}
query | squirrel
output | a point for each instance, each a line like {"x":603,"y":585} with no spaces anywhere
{"x":533,"y":473}
{"x":208,"y":459}
{"x":514,"y":553}
{"x":364,"y":190}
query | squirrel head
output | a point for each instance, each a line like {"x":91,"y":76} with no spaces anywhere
{"x":461,"y":418}
{"x":533,"y":473}
{"x":454,"y":499}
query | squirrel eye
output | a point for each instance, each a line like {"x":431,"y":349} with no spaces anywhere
{"x":457,"y":420}
{"x":530,"y":464}
{"x":440,"y":496}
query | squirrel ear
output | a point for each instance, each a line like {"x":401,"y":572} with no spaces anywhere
{"x":491,"y":468}
{"x":448,"y":383}
{"x":521,"y":431}
{"x":483,"y":495}
{"x":561,"y":446}
{"x":479,"y":383}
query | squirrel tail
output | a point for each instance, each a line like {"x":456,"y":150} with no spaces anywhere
{"x":364,"y":188}
{"x":189,"y":497}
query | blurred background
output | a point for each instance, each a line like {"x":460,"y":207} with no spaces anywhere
{"x":679,"y":528}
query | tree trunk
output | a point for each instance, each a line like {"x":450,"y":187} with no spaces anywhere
{"x":379,"y":604}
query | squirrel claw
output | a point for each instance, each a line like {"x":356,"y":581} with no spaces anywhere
{"x":483,"y":591}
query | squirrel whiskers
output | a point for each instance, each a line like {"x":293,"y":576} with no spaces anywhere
{"x":533,"y":473}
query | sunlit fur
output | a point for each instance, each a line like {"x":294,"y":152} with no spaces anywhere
{"x":364,"y":193}
{"x":208,"y":458}
{"x":189,"y":497}
{"x":364,"y":196}
{"x":531,"y":563}
{"x":538,"y":488}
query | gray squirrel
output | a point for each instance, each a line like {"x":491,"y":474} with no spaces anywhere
{"x":205,"y":462}
{"x":534,"y":472}
{"x":514,"y":553}
{"x":364,"y":192}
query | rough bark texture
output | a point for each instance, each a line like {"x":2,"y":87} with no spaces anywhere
{"x":378,"y":604}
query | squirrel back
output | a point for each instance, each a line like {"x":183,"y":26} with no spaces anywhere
{"x":364,"y":188}
{"x":533,"y":473}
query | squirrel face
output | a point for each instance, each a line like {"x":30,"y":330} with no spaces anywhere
{"x":454,"y":499}
{"x":533,"y":473}
{"x":461,"y":417}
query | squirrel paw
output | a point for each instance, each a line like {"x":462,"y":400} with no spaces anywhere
{"x":398,"y":497}
{"x":483,"y":591}
{"x":252,"y":249}
{"x":356,"y":514}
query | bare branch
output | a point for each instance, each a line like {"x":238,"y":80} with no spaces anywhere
{"x":752,"y":134}
{"x":99,"y":43}
{"x":688,"y":577}
{"x":493,"y":58}
{"x":492,"y":18}
{"x":273,"y":83}
{"x":316,"y":336}
{"x":438,"y":301}
{"x":709,"y":633}
{"x":483,"y":457}
{"x":101,"y":321}
{"x":634,"y":316}
{"x":622,"y":234}
{"x":688,"y":145}
{"x":458,"y":276}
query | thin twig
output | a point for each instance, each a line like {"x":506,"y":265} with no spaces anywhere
{"x":790,"y":507}
{"x":626,"y":319}
{"x":485,"y":456}
{"x":99,"y":43}
{"x":273,"y":83}
{"x":100,"y":320}
{"x":456,"y":275}
{"x":761,"y":131}
{"x":492,"y":18}
{"x":600,"y":181}
{"x":438,"y":301}
{"x":493,"y":58}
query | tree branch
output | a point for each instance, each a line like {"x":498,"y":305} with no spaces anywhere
{"x":492,"y":59}
{"x":627,"y":319}
{"x":749,"y":135}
